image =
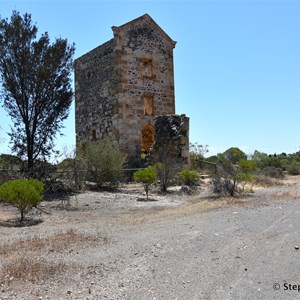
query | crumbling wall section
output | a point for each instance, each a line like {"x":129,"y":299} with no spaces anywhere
{"x":172,"y":139}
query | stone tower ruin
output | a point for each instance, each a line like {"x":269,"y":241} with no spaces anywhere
{"x":123,"y":85}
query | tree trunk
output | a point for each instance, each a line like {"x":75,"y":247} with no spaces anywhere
{"x":29,"y":146}
{"x":147,"y":191}
{"x":22,"y":215}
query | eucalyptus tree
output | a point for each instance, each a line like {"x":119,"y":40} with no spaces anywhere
{"x":36,"y":85}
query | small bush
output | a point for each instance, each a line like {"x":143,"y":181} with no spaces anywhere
{"x":103,"y":162}
{"x":294,"y":168}
{"x":197,"y":153}
{"x":188,"y":177}
{"x":10,"y":162}
{"x":266,"y":181}
{"x":165,"y":173}
{"x":22,"y":194}
{"x":146,"y":177}
{"x":231,"y":179}
{"x":273,"y":172}
{"x":224,"y":178}
{"x":245,"y":179}
{"x":225,"y":186}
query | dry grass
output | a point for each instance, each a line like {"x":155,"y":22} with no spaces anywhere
{"x":162,"y":213}
{"x":286,"y":195}
{"x":265,"y":181}
{"x":21,"y":259}
{"x":4,"y":214}
{"x":30,"y":269}
{"x":55,"y":243}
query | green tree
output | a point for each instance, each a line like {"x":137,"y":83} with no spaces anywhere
{"x":22,"y":194}
{"x":261,"y":159}
{"x":146,"y":177}
{"x":247,"y":166}
{"x":234,"y":155}
{"x":36,"y":85}
{"x":264,"y":160}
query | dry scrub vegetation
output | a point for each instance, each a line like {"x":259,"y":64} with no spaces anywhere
{"x":30,"y":260}
{"x":56,"y":243}
{"x":67,"y":251}
{"x":31,"y":269}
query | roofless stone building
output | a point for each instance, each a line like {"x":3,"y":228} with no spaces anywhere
{"x":125,"y":85}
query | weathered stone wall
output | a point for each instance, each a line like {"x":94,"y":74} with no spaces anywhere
{"x":172,"y":139}
{"x":96,"y":102}
{"x":122,"y":85}
{"x":145,"y":69}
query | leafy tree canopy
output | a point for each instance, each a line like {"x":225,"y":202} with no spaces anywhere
{"x":146,"y":177}
{"x":23,"y":194}
{"x":36,"y":85}
{"x":235,"y":155}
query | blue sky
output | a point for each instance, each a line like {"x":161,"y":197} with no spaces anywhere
{"x":237,"y":63}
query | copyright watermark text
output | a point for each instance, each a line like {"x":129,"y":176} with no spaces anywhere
{"x":286,"y":287}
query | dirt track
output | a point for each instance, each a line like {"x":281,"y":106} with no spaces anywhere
{"x":114,"y":246}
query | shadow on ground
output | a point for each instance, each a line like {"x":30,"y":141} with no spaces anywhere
{"x":145,"y":200}
{"x":28,"y":222}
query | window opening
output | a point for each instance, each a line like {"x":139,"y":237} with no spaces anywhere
{"x":148,"y":105}
{"x":147,"y":67}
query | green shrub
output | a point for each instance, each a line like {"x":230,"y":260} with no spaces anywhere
{"x":165,"y":173}
{"x":264,"y":160}
{"x":273,"y":172}
{"x":294,"y":168}
{"x":146,"y":177}
{"x":9,"y":162}
{"x":230,"y":179}
{"x":188,"y":177}
{"x":103,"y":162}
{"x":22,"y":194}
{"x":265,"y":181}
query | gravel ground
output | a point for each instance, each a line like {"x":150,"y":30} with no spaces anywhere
{"x":176,"y":246}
